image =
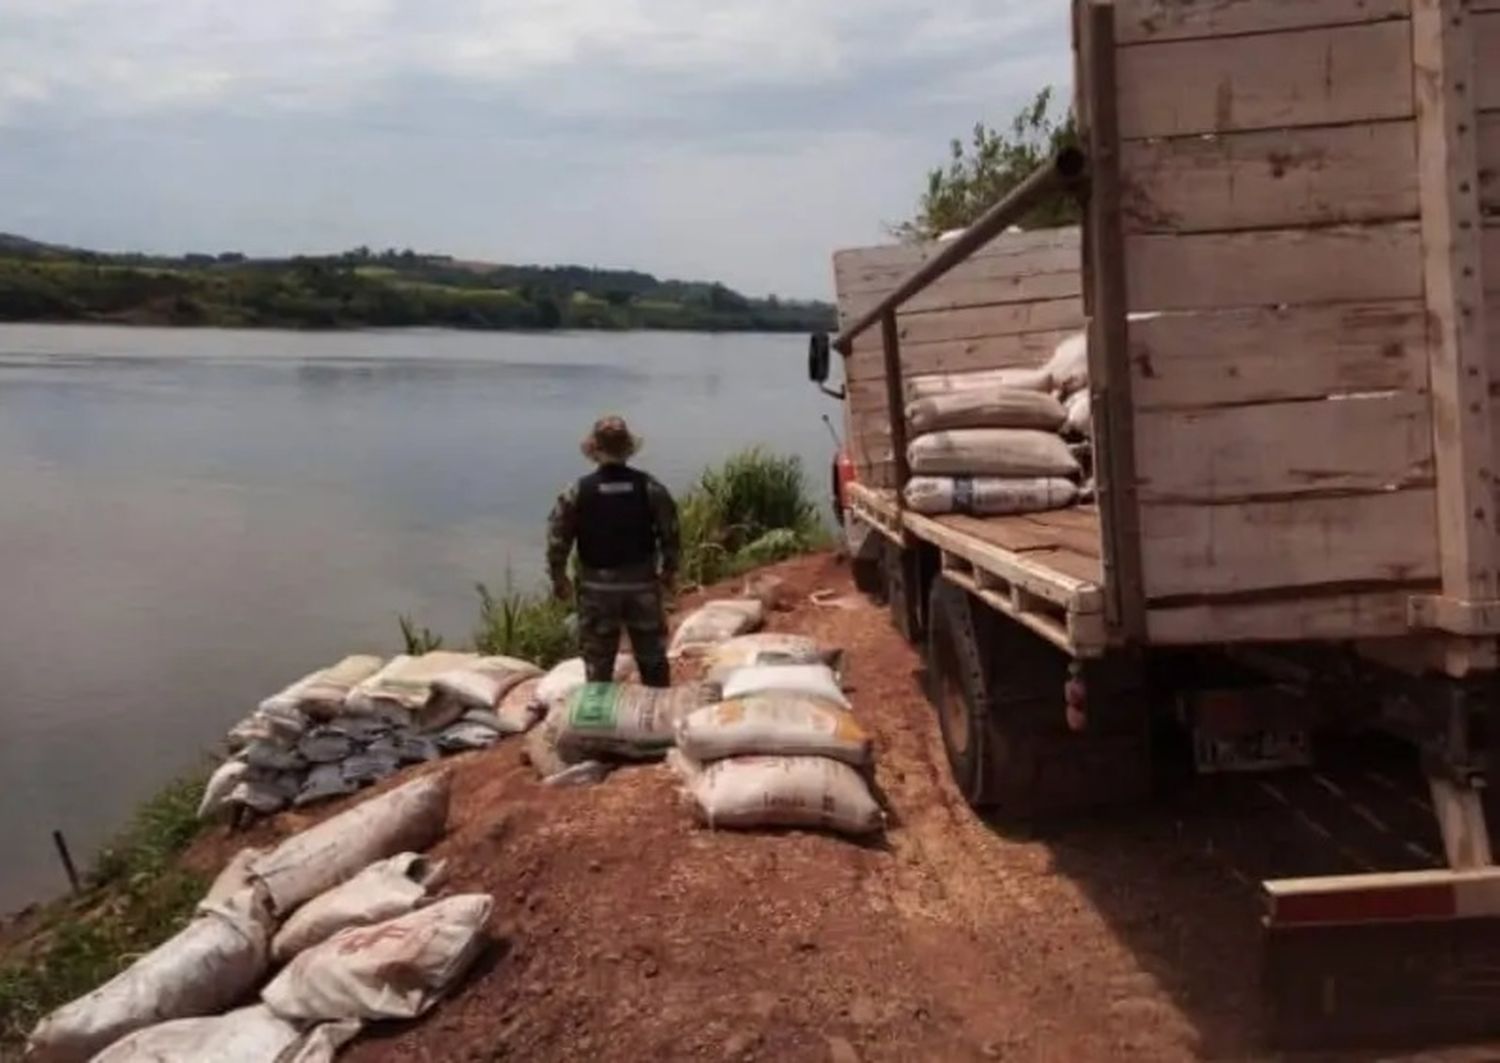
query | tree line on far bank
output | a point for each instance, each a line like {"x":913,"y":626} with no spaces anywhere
{"x":361,"y":288}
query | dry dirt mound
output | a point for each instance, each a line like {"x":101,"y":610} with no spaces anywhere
{"x":625,"y":932}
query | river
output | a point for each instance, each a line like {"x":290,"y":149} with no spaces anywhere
{"x":191,"y":518}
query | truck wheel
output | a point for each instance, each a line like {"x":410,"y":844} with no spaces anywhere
{"x":998,"y":690}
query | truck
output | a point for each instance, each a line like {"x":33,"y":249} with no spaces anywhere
{"x":1289,"y":252}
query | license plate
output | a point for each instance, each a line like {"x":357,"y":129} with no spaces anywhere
{"x":1256,"y":751}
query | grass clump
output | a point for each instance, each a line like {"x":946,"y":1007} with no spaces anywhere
{"x":136,"y":898}
{"x":532,"y":626}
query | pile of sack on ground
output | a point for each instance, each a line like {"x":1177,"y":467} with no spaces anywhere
{"x":343,"y":913}
{"x":364,"y":719}
{"x":765,"y":738}
{"x":1002,"y":440}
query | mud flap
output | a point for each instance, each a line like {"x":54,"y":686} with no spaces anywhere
{"x":1385,"y":961}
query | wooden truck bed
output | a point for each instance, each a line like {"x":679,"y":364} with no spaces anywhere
{"x":1042,"y":569}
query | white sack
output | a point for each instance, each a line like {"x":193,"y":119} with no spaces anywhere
{"x":404,"y":685}
{"x":1009,"y":452}
{"x":321,"y":694}
{"x":988,"y":496}
{"x":234,"y":879}
{"x":520,"y":709}
{"x":219,"y":786}
{"x":931,"y":384}
{"x":384,"y":890}
{"x":571,"y":674}
{"x":985,"y":408}
{"x":621,"y":719}
{"x":1069,"y":365}
{"x":206,"y":967}
{"x":714,"y":622}
{"x":408,"y":818}
{"x":249,"y":1035}
{"x":480,"y":685}
{"x":808,"y":680}
{"x":782,"y":792}
{"x":764,"y":647}
{"x":392,"y":970}
{"x":282,"y":725}
{"x":773,"y":724}
{"x":1080,"y":420}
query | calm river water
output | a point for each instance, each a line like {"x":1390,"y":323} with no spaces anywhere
{"x":189,"y":519}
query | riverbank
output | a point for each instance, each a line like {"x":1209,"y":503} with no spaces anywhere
{"x":43,"y":283}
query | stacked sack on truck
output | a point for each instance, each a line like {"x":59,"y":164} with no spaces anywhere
{"x":781,"y":747}
{"x":345,"y":909}
{"x":991,"y":442}
{"x":363,"y":719}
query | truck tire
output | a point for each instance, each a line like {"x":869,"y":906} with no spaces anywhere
{"x":998,"y":691}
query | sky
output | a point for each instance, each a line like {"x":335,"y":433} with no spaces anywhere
{"x":734,"y":140}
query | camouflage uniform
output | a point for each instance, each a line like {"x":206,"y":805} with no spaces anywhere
{"x":628,"y":597}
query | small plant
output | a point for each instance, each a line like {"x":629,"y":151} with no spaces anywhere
{"x":751,"y":510}
{"x":418,"y":640}
{"x":531,"y":626}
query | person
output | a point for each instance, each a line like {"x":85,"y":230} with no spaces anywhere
{"x":624,"y":523}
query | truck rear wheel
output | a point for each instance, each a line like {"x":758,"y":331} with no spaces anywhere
{"x":998,"y":690}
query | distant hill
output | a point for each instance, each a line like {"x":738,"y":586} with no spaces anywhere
{"x":363,"y":288}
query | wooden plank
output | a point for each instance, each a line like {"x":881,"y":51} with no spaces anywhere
{"x":1077,"y":595}
{"x":1269,"y":354}
{"x":1115,"y":471}
{"x":1489,"y":159}
{"x":1048,"y":315}
{"x":907,"y":257}
{"x":1443,"y":58}
{"x":1209,"y":550}
{"x":1242,"y":453}
{"x":1160,"y":20}
{"x":1283,"y":177}
{"x":1007,"y":532}
{"x":961,"y":356}
{"x":858,"y":278}
{"x":1283,"y":266}
{"x":1267,"y":81}
{"x":950,"y":295}
{"x":1333,"y":617}
{"x":895,"y":402}
{"x":1486,"y":30}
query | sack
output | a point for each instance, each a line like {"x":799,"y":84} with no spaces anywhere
{"x":410,"y":817}
{"x":1069,"y":364}
{"x":713,"y":623}
{"x":571,"y":674}
{"x":219,"y":786}
{"x":773,"y":724}
{"x":809,"y":680}
{"x":986,"y":408}
{"x":1080,"y":420}
{"x":782,"y":792}
{"x":206,"y":967}
{"x":391,"y":970}
{"x":233,"y":880}
{"x":987,"y":496}
{"x":1008,"y":452}
{"x":621,"y":719}
{"x":265,"y":792}
{"x":385,"y":889}
{"x":321,"y":694}
{"x":249,"y":1035}
{"x":929,"y":385}
{"x":403,"y":686}
{"x":480,"y":685}
{"x":281,"y":725}
{"x":743,"y":651}
{"x":520,"y":709}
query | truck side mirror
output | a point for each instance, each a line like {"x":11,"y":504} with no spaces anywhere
{"x":818,"y":357}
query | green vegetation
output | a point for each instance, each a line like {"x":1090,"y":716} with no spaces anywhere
{"x":43,"y":282}
{"x":752,"y":510}
{"x":978,"y":177}
{"x":137,"y":897}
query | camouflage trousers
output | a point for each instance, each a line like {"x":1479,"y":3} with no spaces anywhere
{"x":604,"y":611}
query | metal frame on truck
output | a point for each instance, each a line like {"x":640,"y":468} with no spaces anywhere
{"x":1295,"y":455}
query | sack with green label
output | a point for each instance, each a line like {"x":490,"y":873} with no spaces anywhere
{"x":621,"y":719}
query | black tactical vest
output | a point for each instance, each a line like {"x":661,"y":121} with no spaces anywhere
{"x":615,"y":526}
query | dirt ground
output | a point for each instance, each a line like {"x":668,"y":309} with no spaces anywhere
{"x":624,"y":932}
